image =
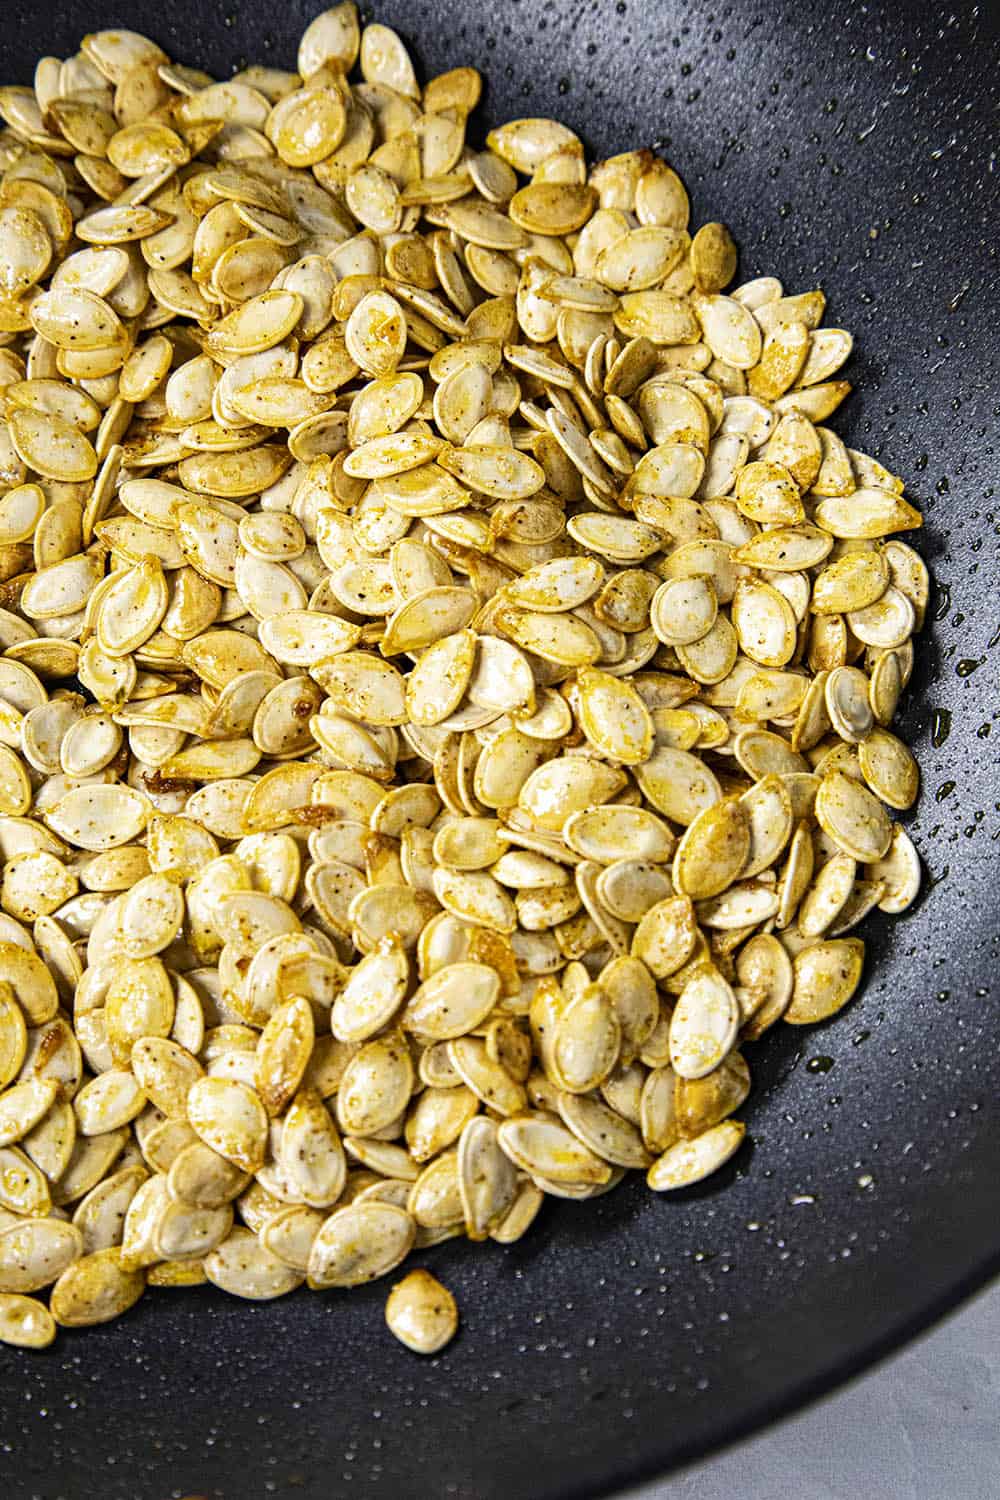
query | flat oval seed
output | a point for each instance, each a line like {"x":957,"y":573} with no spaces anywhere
{"x":376,"y":1086}
{"x":108,"y":1102}
{"x":688,"y":1162}
{"x":165,"y":1072}
{"x":52,"y":446}
{"x":244,"y":1267}
{"x":898,"y":871}
{"x":853,"y":817}
{"x":683,"y":610}
{"x":604,"y":1132}
{"x":229,"y":1117}
{"x":586,"y":1041}
{"x":25,"y":1322}
{"x":889,"y":769}
{"x":703,"y":1026}
{"x":474,"y":896}
{"x":99,"y":817}
{"x":453,"y":1001}
{"x":827,"y":895}
{"x":23,"y":1106}
{"x":485,"y":1075}
{"x":540,"y":1144}
{"x":713,"y":851}
{"x":151,"y":916}
{"x":487,"y":1179}
{"x":200,"y":1178}
{"x":826,"y":976}
{"x":311,"y":1153}
{"x":613,"y":717}
{"x":438,"y":681}
{"x":678,"y":784}
{"x":359,"y":1243}
{"x":36,"y":1252}
{"x":373,"y":993}
{"x":23,"y":1187}
{"x":605,"y":834}
{"x":283,"y":1053}
{"x":95,"y":1290}
{"x":422,"y":1313}
{"x":666,"y":936}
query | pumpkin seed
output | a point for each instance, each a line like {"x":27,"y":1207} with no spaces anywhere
{"x":25,"y":1322}
{"x":586,"y":1041}
{"x":453,"y":1001}
{"x":486,"y":1075}
{"x":422,"y":1313}
{"x":243,"y":1266}
{"x":229,"y":1117}
{"x":826,"y":976}
{"x":713,"y":851}
{"x":311,"y":1151}
{"x":540,"y":1144}
{"x":889,"y":769}
{"x":703,"y":1026}
{"x":35,"y":1253}
{"x":827,"y":896}
{"x":487,"y":1180}
{"x":359,"y":1243}
{"x":603,"y":1131}
{"x":853,"y":817}
{"x":200,"y":1178}
{"x":96,"y":1289}
{"x":688,"y":1162}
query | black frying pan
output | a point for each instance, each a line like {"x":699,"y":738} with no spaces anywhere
{"x":849,"y":145}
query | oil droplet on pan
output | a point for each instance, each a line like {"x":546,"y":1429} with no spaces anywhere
{"x":941,"y":727}
{"x":944,"y":601}
{"x":819,"y":1064}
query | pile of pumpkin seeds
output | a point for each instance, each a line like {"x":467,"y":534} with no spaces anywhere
{"x":447,"y":668}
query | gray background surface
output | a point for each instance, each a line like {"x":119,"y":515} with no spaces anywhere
{"x":925,"y":1425}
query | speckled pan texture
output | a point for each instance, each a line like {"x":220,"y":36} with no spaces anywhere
{"x":848,"y":145}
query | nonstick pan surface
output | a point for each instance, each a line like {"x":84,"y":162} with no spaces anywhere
{"x":847,"y":145}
